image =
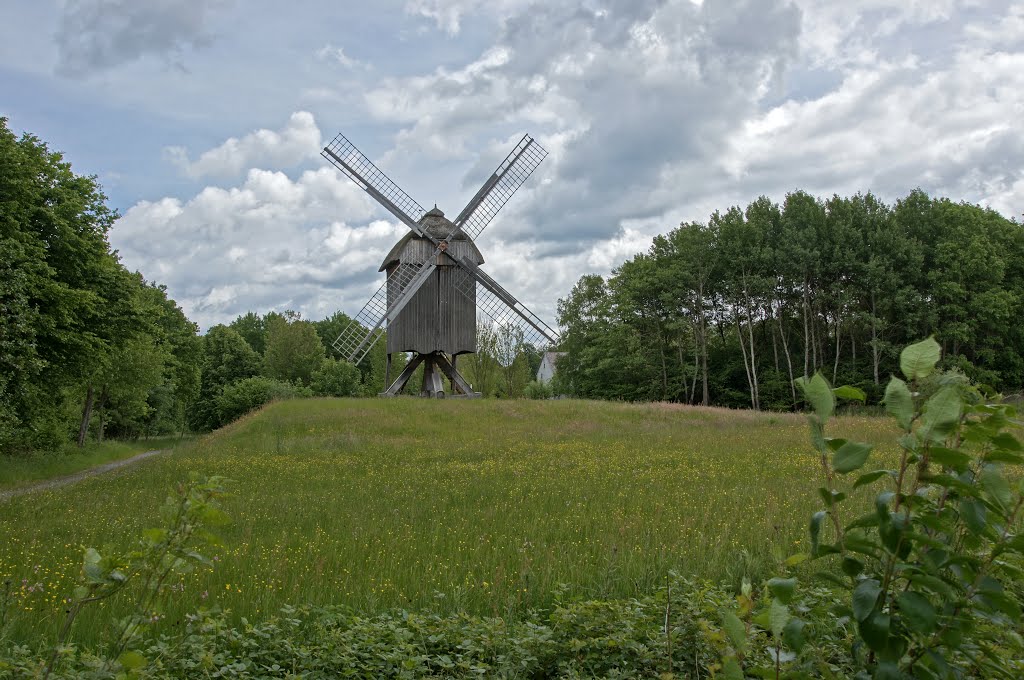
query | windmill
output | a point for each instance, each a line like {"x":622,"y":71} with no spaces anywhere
{"x":434,"y":290}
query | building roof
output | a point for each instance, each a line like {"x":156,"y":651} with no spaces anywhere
{"x":415,"y":248}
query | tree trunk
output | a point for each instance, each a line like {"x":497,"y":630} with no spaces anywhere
{"x":703,"y":325}
{"x":807,"y":334}
{"x":874,"y":339}
{"x":83,"y":429}
{"x":775,"y":344}
{"x":839,"y":337}
{"x":102,"y":406}
{"x":789,"y":361}
{"x":746,"y":367}
{"x":753,"y":366}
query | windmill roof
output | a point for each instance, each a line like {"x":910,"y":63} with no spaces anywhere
{"x":414,"y":248}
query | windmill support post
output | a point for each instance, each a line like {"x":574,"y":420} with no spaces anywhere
{"x":436,"y":367}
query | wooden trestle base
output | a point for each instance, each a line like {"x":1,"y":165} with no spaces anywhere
{"x":436,"y":367}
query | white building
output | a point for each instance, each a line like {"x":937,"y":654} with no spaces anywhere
{"x":547,"y":366}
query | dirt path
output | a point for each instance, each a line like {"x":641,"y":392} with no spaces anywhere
{"x":57,"y":482}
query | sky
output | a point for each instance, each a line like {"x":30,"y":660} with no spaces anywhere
{"x":203,"y":120}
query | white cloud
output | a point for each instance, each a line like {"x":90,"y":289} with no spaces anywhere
{"x":265,"y":244}
{"x":336,"y":55}
{"x":299,"y":140}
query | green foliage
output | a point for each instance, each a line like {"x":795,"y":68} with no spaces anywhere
{"x":77,"y":330}
{"x":537,"y":390}
{"x":661,"y":634}
{"x":931,"y":577}
{"x":248,"y":394}
{"x":226,"y":359}
{"x":294,"y":350}
{"x":732,"y":311}
{"x":336,"y":378}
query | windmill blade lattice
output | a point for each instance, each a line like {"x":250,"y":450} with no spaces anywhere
{"x":511,"y":174}
{"x":501,"y":308}
{"x":367,"y":326}
{"x":344,"y":155}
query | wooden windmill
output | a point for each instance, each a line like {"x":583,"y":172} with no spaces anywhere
{"x":435,"y":289}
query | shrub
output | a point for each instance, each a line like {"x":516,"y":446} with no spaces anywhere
{"x":243,"y":396}
{"x":537,"y":390}
{"x":336,"y":379}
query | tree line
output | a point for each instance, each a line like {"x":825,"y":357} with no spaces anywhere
{"x":730,"y":311}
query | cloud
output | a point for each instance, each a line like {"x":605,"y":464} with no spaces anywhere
{"x":336,"y":55}
{"x":299,"y":140}
{"x":311,"y":243}
{"x":94,"y":35}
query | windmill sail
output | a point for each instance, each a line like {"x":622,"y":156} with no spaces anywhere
{"x":368,"y":177}
{"x":367,"y":326}
{"x":511,"y":174}
{"x":500,"y":307}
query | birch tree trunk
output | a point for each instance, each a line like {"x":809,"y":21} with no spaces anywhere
{"x":83,"y":429}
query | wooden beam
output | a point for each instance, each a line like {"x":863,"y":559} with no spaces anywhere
{"x":403,"y":377}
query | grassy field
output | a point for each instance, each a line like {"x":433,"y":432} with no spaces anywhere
{"x":488,"y":506}
{"x":21,"y":471}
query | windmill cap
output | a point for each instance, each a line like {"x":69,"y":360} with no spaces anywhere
{"x":437,"y":225}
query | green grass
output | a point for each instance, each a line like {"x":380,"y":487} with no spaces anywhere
{"x":485,"y":506}
{"x":18,"y":471}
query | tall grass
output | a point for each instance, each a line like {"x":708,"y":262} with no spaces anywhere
{"x":488,"y":506}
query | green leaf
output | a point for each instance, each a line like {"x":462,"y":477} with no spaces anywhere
{"x":778,"y":617}
{"x":941,"y":414}
{"x":132,"y":660}
{"x":874,"y":630}
{"x":869,"y":477}
{"x":865,"y":597}
{"x":795,"y":559}
{"x":1005,"y":440}
{"x":899,"y":403}
{"x":819,"y":395}
{"x":793,"y":634}
{"x":887,"y":670}
{"x":851,"y":393}
{"x":731,"y":668}
{"x":918,"y":360}
{"x":852,"y":566}
{"x":917,"y":612}
{"x":782,"y":588}
{"x":850,"y":456}
{"x":996,"y":486}
{"x":973,"y":513}
{"x":951,"y":458}
{"x":735,"y":629}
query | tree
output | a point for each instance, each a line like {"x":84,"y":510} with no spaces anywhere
{"x":253,"y":328}
{"x":294,"y":350}
{"x":336,"y":379}
{"x":226,"y":359}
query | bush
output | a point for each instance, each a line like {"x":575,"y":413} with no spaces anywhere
{"x":537,"y":390}
{"x":246,"y":395}
{"x":336,"y":379}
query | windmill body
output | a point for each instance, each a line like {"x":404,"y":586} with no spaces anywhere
{"x":441,"y":316}
{"x":435,"y":291}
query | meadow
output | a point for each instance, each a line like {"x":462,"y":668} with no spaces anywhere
{"x":491,"y":507}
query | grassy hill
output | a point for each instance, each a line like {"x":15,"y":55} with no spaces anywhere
{"x":491,"y":507}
